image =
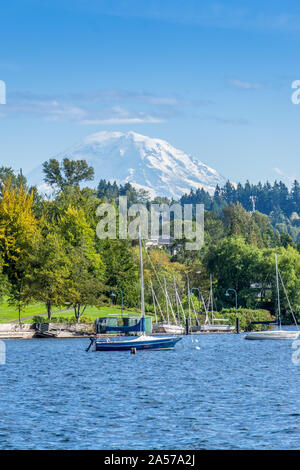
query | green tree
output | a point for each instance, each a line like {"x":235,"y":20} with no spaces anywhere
{"x":286,"y":240}
{"x":4,"y":284}
{"x":289,"y":268}
{"x":49,"y":276}
{"x":7,"y":175}
{"x":121,"y":270}
{"x":86,"y":281}
{"x":86,"y":272}
{"x":234,"y":263}
{"x":67,"y":173}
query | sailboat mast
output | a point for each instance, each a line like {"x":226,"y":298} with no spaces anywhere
{"x":176,"y":299}
{"x":153,"y":298}
{"x":167,"y":299}
{"x":211,"y":299}
{"x":278,"y":293}
{"x":189,"y":299}
{"x":142,"y":275}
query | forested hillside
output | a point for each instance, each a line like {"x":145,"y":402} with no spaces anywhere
{"x":277,"y":201}
{"x":50,"y":253}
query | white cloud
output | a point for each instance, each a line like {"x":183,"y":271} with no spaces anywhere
{"x":290,"y":178}
{"x":100,"y":107}
{"x":227,"y":120}
{"x":122,"y":120}
{"x":243,"y":84}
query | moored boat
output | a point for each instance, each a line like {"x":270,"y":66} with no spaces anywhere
{"x":168,"y":328}
{"x":273,"y":334}
{"x":211,"y":326}
{"x":165,"y":326}
{"x":140,"y":342}
{"x":154,"y":343}
{"x":279,"y":334}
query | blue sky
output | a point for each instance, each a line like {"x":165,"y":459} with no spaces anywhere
{"x":212,"y":78}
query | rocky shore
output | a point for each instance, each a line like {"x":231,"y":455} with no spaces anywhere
{"x":60,"y":330}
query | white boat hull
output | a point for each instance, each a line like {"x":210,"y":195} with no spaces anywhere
{"x":168,"y":328}
{"x":217,"y":328}
{"x":273,"y":335}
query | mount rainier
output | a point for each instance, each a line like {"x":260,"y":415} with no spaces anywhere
{"x":147,"y":163}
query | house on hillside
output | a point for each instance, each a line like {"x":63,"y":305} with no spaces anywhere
{"x":163,"y":242}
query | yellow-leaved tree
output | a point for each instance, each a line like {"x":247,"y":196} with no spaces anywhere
{"x":18,"y":227}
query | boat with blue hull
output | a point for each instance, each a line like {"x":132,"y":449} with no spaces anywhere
{"x":142,"y":341}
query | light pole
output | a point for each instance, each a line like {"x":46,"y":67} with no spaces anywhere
{"x":236,"y":297}
{"x":113,"y":294}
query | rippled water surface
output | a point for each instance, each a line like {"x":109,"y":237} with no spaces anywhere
{"x":229,"y":394}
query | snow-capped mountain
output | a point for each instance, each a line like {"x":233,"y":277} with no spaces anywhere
{"x":145,"y":162}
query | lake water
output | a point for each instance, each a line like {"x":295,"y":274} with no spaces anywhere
{"x":229,"y":394}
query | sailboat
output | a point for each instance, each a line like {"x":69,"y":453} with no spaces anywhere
{"x":166,"y":326}
{"x":140,"y":342}
{"x":212,"y":327}
{"x":280,"y":333}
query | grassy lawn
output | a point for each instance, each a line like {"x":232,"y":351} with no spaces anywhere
{"x":95,"y":312}
{"x":9,"y":313}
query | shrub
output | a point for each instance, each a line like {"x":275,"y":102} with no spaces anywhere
{"x":86,"y":319}
{"x":149,"y":308}
{"x":83,"y":319}
{"x":40,"y":319}
{"x":246,"y":316}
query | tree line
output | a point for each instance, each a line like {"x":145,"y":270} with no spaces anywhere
{"x":49,"y":251}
